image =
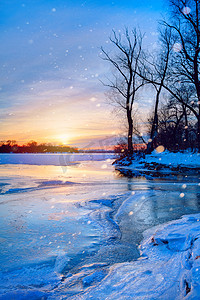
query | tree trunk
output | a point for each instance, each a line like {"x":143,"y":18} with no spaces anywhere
{"x":198,"y":119}
{"x":186,"y":142}
{"x":198,"y":134}
{"x":130,"y":132}
{"x":154,"y":128}
{"x":197,"y":85}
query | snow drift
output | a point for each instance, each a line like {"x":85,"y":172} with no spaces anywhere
{"x":169,"y":266}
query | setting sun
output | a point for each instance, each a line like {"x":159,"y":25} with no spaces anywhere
{"x":63,"y":138}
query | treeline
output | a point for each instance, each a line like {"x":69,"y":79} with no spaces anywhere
{"x":11,"y":146}
{"x":177,"y":128}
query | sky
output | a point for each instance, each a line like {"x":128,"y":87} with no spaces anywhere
{"x":51,"y":67}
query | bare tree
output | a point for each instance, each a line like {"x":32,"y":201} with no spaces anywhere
{"x":156,"y":71}
{"x":186,"y":57}
{"x":176,"y":123}
{"x":186,"y":96}
{"x":125,"y":82}
{"x":180,"y":68}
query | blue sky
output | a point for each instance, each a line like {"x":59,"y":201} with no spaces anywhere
{"x":50,"y":66}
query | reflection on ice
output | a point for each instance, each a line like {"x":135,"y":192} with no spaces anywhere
{"x":61,"y":232}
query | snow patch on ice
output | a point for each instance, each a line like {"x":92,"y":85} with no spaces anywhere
{"x":169,"y":266}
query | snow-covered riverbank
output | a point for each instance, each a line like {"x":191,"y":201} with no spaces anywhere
{"x":169,"y":266}
{"x":161,"y":164}
{"x":175,"y":159}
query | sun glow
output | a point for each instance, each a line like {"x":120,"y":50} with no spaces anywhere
{"x":64,"y":139}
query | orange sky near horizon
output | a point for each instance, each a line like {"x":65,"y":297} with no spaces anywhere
{"x":62,"y":116}
{"x":51,"y":118}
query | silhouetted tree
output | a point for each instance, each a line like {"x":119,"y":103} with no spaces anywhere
{"x":125,"y":82}
{"x":173,"y":133}
{"x":184,"y":24}
{"x":155,"y":70}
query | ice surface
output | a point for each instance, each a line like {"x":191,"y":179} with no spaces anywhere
{"x":169,"y":267}
{"x":49,"y":224}
{"x":58,"y":159}
{"x":72,"y":233}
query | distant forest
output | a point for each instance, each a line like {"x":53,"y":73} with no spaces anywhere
{"x":11,"y":146}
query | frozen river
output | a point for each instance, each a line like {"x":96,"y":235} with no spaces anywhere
{"x":62,"y":228}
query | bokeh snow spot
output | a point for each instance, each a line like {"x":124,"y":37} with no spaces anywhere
{"x":160,"y":149}
{"x":186,"y":10}
{"x":159,"y":278}
{"x":104,"y":166}
{"x":93,"y":99}
{"x":177,"y":47}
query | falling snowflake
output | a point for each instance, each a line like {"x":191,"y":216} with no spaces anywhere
{"x":104,"y":166}
{"x":177,"y":47}
{"x":186,"y":10}
{"x":160,"y":149}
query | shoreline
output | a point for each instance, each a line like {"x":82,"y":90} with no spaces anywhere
{"x":168,"y":267}
{"x":155,"y":165}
